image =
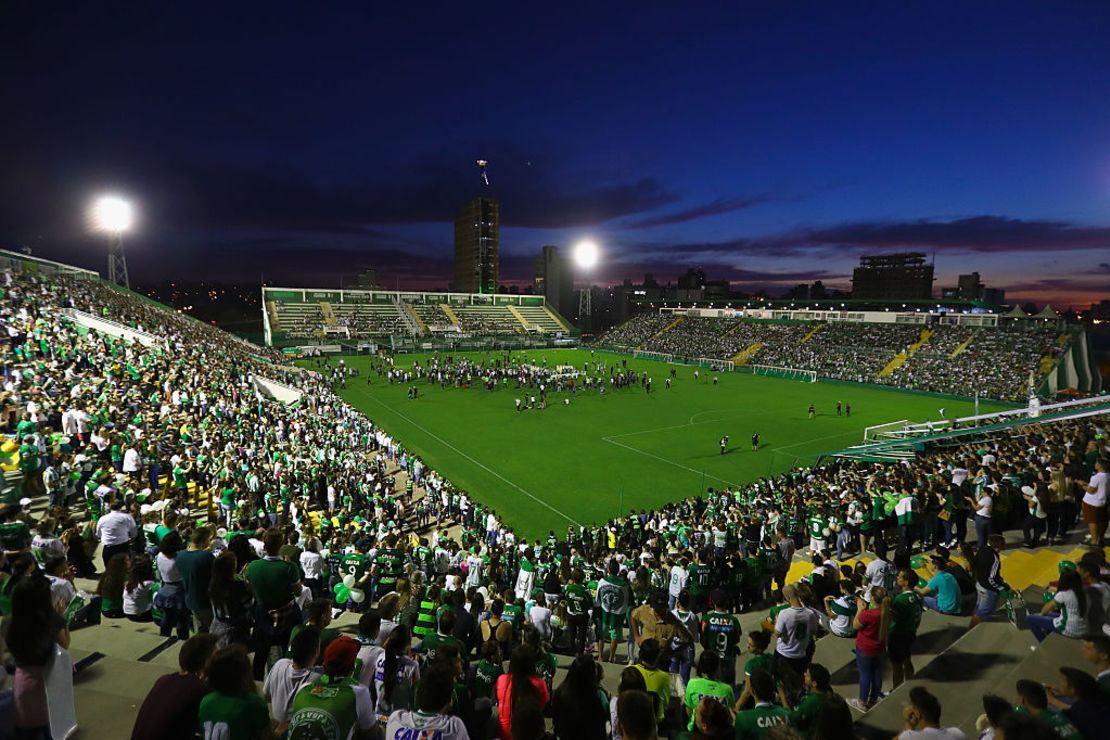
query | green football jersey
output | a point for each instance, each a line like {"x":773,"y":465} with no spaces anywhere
{"x":757,"y":722}
{"x":323,"y":711}
{"x":699,"y":688}
{"x":229,"y":717}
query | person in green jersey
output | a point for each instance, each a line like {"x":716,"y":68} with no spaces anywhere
{"x":705,"y":684}
{"x":720,"y":633}
{"x":486,"y":672}
{"x":431,"y":643}
{"x":388,"y":566}
{"x":700,"y":573}
{"x":761,"y":660}
{"x":611,"y":611}
{"x":334,"y":707}
{"x":578,"y":606}
{"x":233,"y":710}
{"x":804,"y":714}
{"x":757,"y":722}
{"x":1032,"y":699}
{"x":15,"y":535}
{"x":905,"y":618}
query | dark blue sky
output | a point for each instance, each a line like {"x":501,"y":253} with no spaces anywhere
{"x":768,"y":142}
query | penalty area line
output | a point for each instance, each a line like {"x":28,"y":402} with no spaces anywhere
{"x":489,"y":470}
{"x":611,"y":441}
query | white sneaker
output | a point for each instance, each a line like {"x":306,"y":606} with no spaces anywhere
{"x":859,"y":706}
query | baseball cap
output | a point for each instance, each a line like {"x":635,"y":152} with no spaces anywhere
{"x":340,"y":655}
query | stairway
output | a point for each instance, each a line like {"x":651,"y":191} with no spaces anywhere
{"x":421,"y":327}
{"x":450,"y":314}
{"x":902,"y":357}
{"x":523,"y":321}
{"x":557,"y":319}
{"x":809,"y":336}
{"x":744,"y":356}
{"x":962,"y":347}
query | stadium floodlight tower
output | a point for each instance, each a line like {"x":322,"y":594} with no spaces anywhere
{"x":586,"y":255}
{"x":114,"y":215}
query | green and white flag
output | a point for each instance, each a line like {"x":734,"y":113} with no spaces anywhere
{"x":613,"y":595}
{"x":525,"y":579}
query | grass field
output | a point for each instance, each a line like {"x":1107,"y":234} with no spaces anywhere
{"x":587,"y":462}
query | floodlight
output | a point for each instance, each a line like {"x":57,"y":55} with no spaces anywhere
{"x":112,"y":214}
{"x":585,"y":254}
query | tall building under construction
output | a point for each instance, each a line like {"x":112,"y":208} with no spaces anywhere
{"x":477,"y":237}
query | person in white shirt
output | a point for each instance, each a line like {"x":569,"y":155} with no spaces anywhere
{"x":679,"y":578}
{"x":289,"y":675}
{"x":131,"y":462}
{"x":795,"y":627}
{"x":922,"y":719}
{"x":430,"y":719}
{"x":115,"y":530}
{"x":1094,"y":503}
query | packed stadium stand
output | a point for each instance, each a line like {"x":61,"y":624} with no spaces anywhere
{"x":155,"y":493}
{"x":295,"y":314}
{"x":993,"y":361}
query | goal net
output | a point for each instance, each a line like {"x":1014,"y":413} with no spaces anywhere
{"x":722,"y":365}
{"x":793,"y":373}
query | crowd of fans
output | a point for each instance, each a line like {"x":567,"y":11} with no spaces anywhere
{"x":487,"y":320}
{"x":459,"y":617}
{"x":996,"y":362}
{"x":370,"y":320}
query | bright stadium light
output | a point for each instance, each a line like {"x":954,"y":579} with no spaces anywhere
{"x":586,"y":254}
{"x":112,"y":214}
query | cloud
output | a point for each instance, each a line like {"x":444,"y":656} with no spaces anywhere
{"x":275,"y":199}
{"x":976,"y":234}
{"x":713,"y":208}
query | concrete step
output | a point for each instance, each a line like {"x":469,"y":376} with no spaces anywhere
{"x":981,"y":661}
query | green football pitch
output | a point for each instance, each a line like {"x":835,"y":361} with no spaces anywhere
{"x":600,"y":456}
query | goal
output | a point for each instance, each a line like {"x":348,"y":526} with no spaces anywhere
{"x":722,"y":365}
{"x":793,"y":373}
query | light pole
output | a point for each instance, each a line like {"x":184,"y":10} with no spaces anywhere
{"x":114,"y":215}
{"x":586,"y":255}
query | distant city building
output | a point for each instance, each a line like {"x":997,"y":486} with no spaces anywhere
{"x":554,"y":280}
{"x":477,"y":238}
{"x":367,"y":280}
{"x":905,"y":275}
{"x":970,"y":288}
{"x":694,"y":278}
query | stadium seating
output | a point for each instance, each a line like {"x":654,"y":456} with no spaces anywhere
{"x":488,"y":320}
{"x":190,"y":397}
{"x":996,"y":362}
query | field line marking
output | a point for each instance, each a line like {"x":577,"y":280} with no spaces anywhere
{"x":675,"y":426}
{"x":489,"y":470}
{"x":815,"y":439}
{"x":663,"y":459}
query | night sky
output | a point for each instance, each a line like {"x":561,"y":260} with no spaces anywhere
{"x":769,"y":143}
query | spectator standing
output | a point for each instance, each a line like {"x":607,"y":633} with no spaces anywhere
{"x":520,"y":684}
{"x":1094,"y":503}
{"x":275,"y":582}
{"x":871,"y":624}
{"x":169,"y":711}
{"x":195,"y":567}
{"x":31,"y":633}
{"x":233,"y":709}
{"x":115,"y":530}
